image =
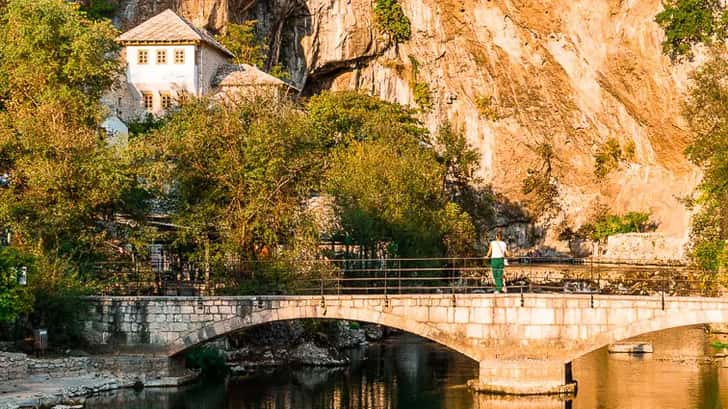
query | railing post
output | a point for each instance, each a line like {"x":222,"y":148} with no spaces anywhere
{"x":386,"y":276}
{"x":522,"y":300}
{"x":662,"y":293}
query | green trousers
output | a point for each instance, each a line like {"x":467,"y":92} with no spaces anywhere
{"x":496,"y":265}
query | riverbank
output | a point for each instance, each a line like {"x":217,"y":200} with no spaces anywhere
{"x":42,"y":391}
{"x":27,"y":382}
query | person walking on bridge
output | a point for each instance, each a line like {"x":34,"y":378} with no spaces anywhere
{"x":497,"y":253}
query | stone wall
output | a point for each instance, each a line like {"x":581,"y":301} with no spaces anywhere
{"x":645,"y":247}
{"x":145,"y":367}
{"x":13,"y":366}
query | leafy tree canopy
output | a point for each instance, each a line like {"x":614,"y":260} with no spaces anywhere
{"x":707,"y":111}
{"x":14,"y":298}
{"x":239,"y":173}
{"x":54,"y":66}
{"x":391,"y":20}
{"x":249,"y":48}
{"x":353,"y":116}
{"x":690,"y":22}
{"x":99,"y":9}
{"x":389,"y":181}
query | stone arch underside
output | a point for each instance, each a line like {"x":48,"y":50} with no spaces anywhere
{"x":669,"y":320}
{"x":212,"y":330}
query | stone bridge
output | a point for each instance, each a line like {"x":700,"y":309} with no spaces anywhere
{"x":524,"y":344}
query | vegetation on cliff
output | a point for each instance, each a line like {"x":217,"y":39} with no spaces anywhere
{"x":541,"y":184}
{"x":392,"y":21}
{"x":690,"y":22}
{"x":610,"y":155}
{"x":248,"y":47}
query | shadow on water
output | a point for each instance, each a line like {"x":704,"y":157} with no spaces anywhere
{"x":408,"y":372}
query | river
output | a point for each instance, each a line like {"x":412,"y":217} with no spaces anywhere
{"x":407,"y":372}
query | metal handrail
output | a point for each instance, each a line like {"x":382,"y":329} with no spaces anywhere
{"x":390,"y":276}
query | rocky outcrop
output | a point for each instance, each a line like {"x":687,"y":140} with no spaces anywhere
{"x":295,"y":342}
{"x":512,"y":75}
{"x":310,"y":354}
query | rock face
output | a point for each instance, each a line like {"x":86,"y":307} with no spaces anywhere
{"x":512,"y":75}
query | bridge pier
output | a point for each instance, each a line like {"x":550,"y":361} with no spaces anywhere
{"x":524,"y":377}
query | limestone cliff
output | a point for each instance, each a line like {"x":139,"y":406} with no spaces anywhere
{"x":569,"y":73}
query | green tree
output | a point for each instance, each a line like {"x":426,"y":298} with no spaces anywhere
{"x":15,"y":299}
{"x":391,"y":20}
{"x":707,"y":112}
{"x":242,"y":40}
{"x":389,"y":193}
{"x":65,"y":183}
{"x":690,"y":22}
{"x":98,"y":9}
{"x":249,"y":48}
{"x":460,"y":182}
{"x":389,"y":182}
{"x":353,"y":116}
{"x":236,"y":174}
{"x":606,"y":224}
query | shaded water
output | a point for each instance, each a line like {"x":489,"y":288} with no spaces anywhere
{"x":408,"y":372}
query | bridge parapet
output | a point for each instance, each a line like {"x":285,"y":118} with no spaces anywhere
{"x":522,"y":342}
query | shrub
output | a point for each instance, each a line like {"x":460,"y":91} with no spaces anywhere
{"x":607,"y":225}
{"x":420,"y":90}
{"x":486,"y":107}
{"x":391,"y":20}
{"x":58,"y":306}
{"x":423,"y":95}
{"x":541,"y":184}
{"x":610,"y":155}
{"x":210,"y":361}
{"x":98,"y":9}
{"x":14,"y":298}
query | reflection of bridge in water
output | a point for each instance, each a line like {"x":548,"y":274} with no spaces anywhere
{"x":524,"y":341}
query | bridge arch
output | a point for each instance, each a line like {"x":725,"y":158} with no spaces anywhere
{"x":668,"y":320}
{"x":211,"y":330}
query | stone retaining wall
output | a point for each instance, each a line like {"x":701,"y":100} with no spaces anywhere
{"x":13,"y":366}
{"x":19,"y":366}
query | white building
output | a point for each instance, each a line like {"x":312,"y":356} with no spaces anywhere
{"x":167,"y":59}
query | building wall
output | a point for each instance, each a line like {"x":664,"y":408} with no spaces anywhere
{"x":194,"y":77}
{"x":157,"y":79}
{"x":210,"y":60}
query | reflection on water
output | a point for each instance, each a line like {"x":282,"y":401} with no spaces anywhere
{"x":409,"y":373}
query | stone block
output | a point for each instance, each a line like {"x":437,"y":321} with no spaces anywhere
{"x":543,"y":316}
{"x":481,"y":315}
{"x":438,"y":314}
{"x":483,"y":301}
{"x":571,"y":316}
{"x":499,"y":316}
{"x":594,"y":316}
{"x":461,"y":315}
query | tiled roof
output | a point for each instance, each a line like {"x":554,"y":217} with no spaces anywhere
{"x":168,"y":27}
{"x":234,"y":75}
